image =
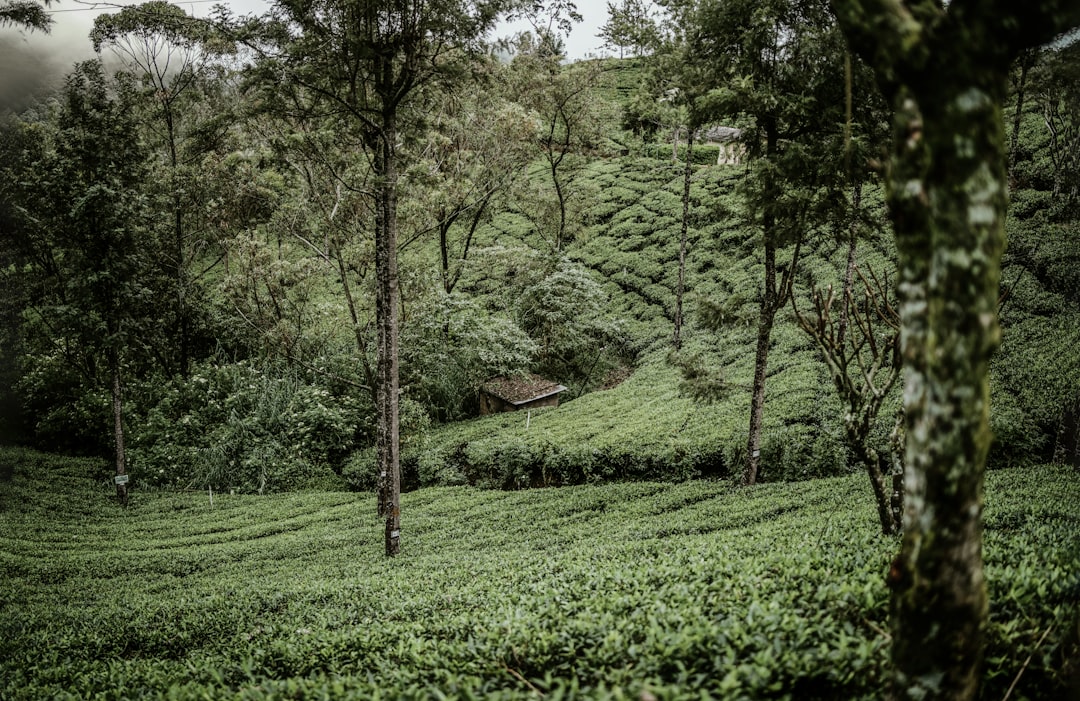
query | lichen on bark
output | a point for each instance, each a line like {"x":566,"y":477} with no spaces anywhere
{"x":945,"y":69}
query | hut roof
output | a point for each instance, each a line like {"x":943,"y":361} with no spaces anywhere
{"x":521,"y":389}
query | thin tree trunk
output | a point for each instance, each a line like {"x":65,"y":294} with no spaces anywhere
{"x":118,"y":429}
{"x":1027,"y":58}
{"x":849,"y":271}
{"x":772,"y":299}
{"x":387,"y":296}
{"x":687,"y":172}
{"x":882,"y":488}
{"x":761,"y":361}
{"x":354,"y":316}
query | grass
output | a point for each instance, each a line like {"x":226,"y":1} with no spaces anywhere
{"x":689,"y":590}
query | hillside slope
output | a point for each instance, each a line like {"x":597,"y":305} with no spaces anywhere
{"x":678,"y":590}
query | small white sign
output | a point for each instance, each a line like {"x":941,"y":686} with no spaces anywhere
{"x":757,"y":453}
{"x":121,"y":479}
{"x":394,"y":535}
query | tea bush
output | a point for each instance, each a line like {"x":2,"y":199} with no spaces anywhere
{"x":684,"y":591}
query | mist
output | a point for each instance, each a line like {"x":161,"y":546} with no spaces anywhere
{"x":33,"y":65}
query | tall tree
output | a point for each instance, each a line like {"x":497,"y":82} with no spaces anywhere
{"x":777,"y":64}
{"x":370,"y":61}
{"x":630,"y":26}
{"x":944,"y":67}
{"x":165,"y":49}
{"x":93,"y":217}
{"x":564,"y":100}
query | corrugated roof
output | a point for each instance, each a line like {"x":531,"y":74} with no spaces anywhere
{"x":520,"y":389}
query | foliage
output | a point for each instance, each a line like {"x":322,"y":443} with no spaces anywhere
{"x":601,"y":592}
{"x":565,"y":313}
{"x":644,"y":428}
{"x":630,"y":25}
{"x":452,"y":347}
{"x":245,"y":428}
{"x":29,"y":14}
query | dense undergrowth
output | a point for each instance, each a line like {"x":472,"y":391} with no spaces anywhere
{"x":689,"y":590}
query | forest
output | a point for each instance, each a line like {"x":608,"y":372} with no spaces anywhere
{"x":806,"y":275}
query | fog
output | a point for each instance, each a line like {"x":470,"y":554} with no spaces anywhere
{"x":33,"y":64}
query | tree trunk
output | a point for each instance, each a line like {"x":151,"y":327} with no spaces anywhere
{"x":877,"y":468}
{"x":679,"y":289}
{"x":772,"y":298}
{"x":761,"y":360}
{"x":948,"y":215}
{"x":945,"y":69}
{"x":849,"y":271}
{"x":354,"y":316}
{"x":118,"y":429}
{"x":386,"y":311}
{"x":1027,"y":59}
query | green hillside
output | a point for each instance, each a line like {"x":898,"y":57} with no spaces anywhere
{"x":653,"y":425}
{"x":620,"y":591}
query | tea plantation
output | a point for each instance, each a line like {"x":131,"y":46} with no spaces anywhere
{"x":625,"y":590}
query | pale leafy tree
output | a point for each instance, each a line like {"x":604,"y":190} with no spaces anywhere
{"x":569,"y":125}
{"x":944,"y":67}
{"x":631,"y":26}
{"x":476,"y":152}
{"x":370,"y":62}
{"x":167,"y":51}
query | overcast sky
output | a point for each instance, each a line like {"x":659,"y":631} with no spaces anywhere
{"x":33,"y":63}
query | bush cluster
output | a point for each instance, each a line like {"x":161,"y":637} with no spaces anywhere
{"x":240,"y":427}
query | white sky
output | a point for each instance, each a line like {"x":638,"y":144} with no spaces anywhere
{"x":68,"y":41}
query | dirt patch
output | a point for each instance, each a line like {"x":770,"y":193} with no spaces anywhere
{"x":616,"y":377}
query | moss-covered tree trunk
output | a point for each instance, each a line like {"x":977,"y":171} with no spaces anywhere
{"x":949,"y":210}
{"x":945,"y":69}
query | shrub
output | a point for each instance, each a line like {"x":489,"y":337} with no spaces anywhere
{"x":236,"y":426}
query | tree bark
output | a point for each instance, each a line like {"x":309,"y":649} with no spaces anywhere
{"x":766,"y":317}
{"x":772,"y":299}
{"x":949,"y":221}
{"x":387,"y":295}
{"x":849,"y":271}
{"x":945,"y":69}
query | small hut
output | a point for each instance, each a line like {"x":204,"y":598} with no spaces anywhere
{"x":518,"y":392}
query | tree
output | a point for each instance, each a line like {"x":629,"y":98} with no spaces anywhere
{"x":165,"y":47}
{"x":944,"y":68}
{"x":25,"y":13}
{"x":92,"y":217}
{"x":861,"y":348}
{"x":564,"y":99}
{"x":771,"y":64}
{"x":477,"y":150}
{"x":370,"y":62}
{"x":630,"y":26}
